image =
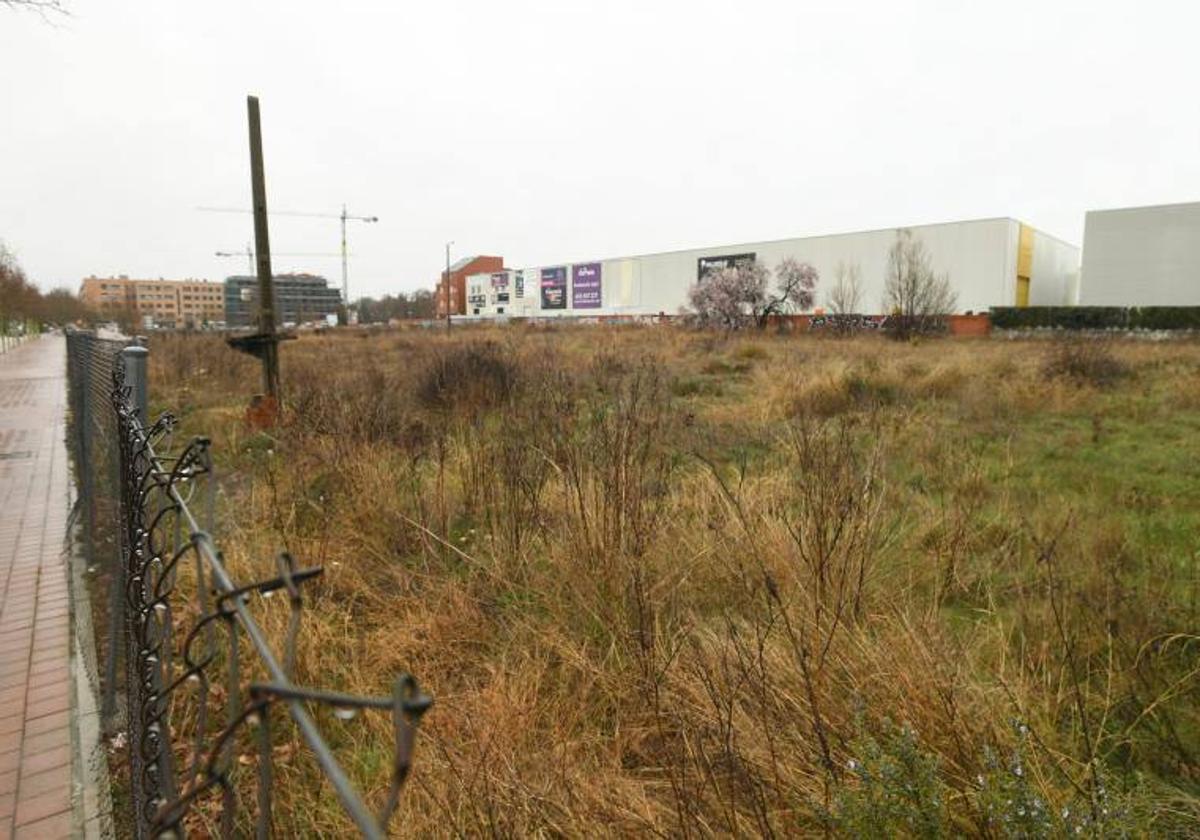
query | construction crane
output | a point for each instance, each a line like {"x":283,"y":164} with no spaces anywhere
{"x":248,"y":253}
{"x":343,"y":217}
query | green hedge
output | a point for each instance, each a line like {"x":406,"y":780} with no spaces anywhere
{"x":1097,"y":317}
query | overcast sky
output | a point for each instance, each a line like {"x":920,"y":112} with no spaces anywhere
{"x":559,"y":130}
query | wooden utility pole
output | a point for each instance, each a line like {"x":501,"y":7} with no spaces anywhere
{"x":262,"y":248}
{"x":264,"y":344}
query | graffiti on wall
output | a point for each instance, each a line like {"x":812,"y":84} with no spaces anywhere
{"x":847,"y":322}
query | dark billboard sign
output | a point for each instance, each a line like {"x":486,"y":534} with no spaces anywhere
{"x":554,"y":287}
{"x":706,"y":264}
{"x":519,"y":284}
{"x":585,"y":286}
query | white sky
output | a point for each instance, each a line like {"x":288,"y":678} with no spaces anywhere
{"x":555,"y":130}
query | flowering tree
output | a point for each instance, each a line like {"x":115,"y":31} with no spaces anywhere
{"x":738,"y":297}
{"x":795,"y":282}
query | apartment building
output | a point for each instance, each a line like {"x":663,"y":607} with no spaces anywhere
{"x":299,"y":299}
{"x":451,"y":288}
{"x":156,"y":303}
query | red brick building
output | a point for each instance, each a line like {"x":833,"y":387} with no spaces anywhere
{"x":458,"y":282}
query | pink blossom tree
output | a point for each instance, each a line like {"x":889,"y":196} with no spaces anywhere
{"x":738,"y":297}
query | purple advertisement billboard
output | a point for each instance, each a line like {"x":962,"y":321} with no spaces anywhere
{"x":554,"y":288}
{"x":585,"y":286}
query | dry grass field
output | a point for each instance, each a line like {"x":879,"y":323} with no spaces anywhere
{"x":670,"y":583}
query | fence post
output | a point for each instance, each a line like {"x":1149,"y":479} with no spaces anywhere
{"x":83,"y":422}
{"x":135,"y":377}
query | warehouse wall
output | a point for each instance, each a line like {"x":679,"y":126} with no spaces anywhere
{"x":974,"y":254}
{"x":1142,"y":256}
{"x":1055,"y":278}
{"x":980,"y":257}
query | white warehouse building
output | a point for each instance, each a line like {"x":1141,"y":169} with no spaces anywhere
{"x":1142,"y":256}
{"x":990,"y":262}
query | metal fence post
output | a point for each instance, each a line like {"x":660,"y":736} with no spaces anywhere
{"x":135,"y":377}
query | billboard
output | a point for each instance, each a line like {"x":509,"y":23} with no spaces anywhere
{"x":519,"y":284}
{"x":707,"y":264}
{"x":500,"y":286}
{"x":554,"y":287}
{"x":585,"y":286}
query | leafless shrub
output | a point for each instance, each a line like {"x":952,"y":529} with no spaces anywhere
{"x":916,"y":298}
{"x":1085,"y":361}
{"x":468,"y":378}
{"x":611,"y":447}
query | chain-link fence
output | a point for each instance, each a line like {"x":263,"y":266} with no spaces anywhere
{"x":201,"y":680}
{"x":90,"y":361}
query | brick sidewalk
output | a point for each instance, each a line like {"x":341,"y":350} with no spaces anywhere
{"x":37,"y":787}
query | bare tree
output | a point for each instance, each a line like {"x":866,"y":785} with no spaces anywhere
{"x":21,"y":303}
{"x":845,"y":297}
{"x":915,"y":297}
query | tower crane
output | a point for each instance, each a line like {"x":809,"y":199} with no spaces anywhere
{"x":343,"y":217}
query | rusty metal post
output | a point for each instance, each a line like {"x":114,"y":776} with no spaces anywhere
{"x":262,"y":247}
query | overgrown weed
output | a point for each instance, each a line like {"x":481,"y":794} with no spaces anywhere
{"x":810,"y":596}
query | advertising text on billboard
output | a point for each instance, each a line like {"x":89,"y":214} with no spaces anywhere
{"x":585,"y":286}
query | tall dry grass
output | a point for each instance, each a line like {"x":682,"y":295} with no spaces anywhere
{"x":666,"y":583}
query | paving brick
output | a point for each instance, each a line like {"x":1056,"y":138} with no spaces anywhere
{"x":33,"y":809}
{"x":42,"y":657}
{"x":43,"y":664}
{"x":47,"y":693}
{"x":14,"y":657}
{"x":58,"y":645}
{"x":35,"y":784}
{"x":51,"y":828}
{"x":49,"y":676}
{"x":45,"y":723}
{"x":60,"y":737}
{"x":10,"y":697}
{"x":15,"y":638}
{"x":11,"y":741}
{"x":48,"y":760}
{"x":35,"y":599}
